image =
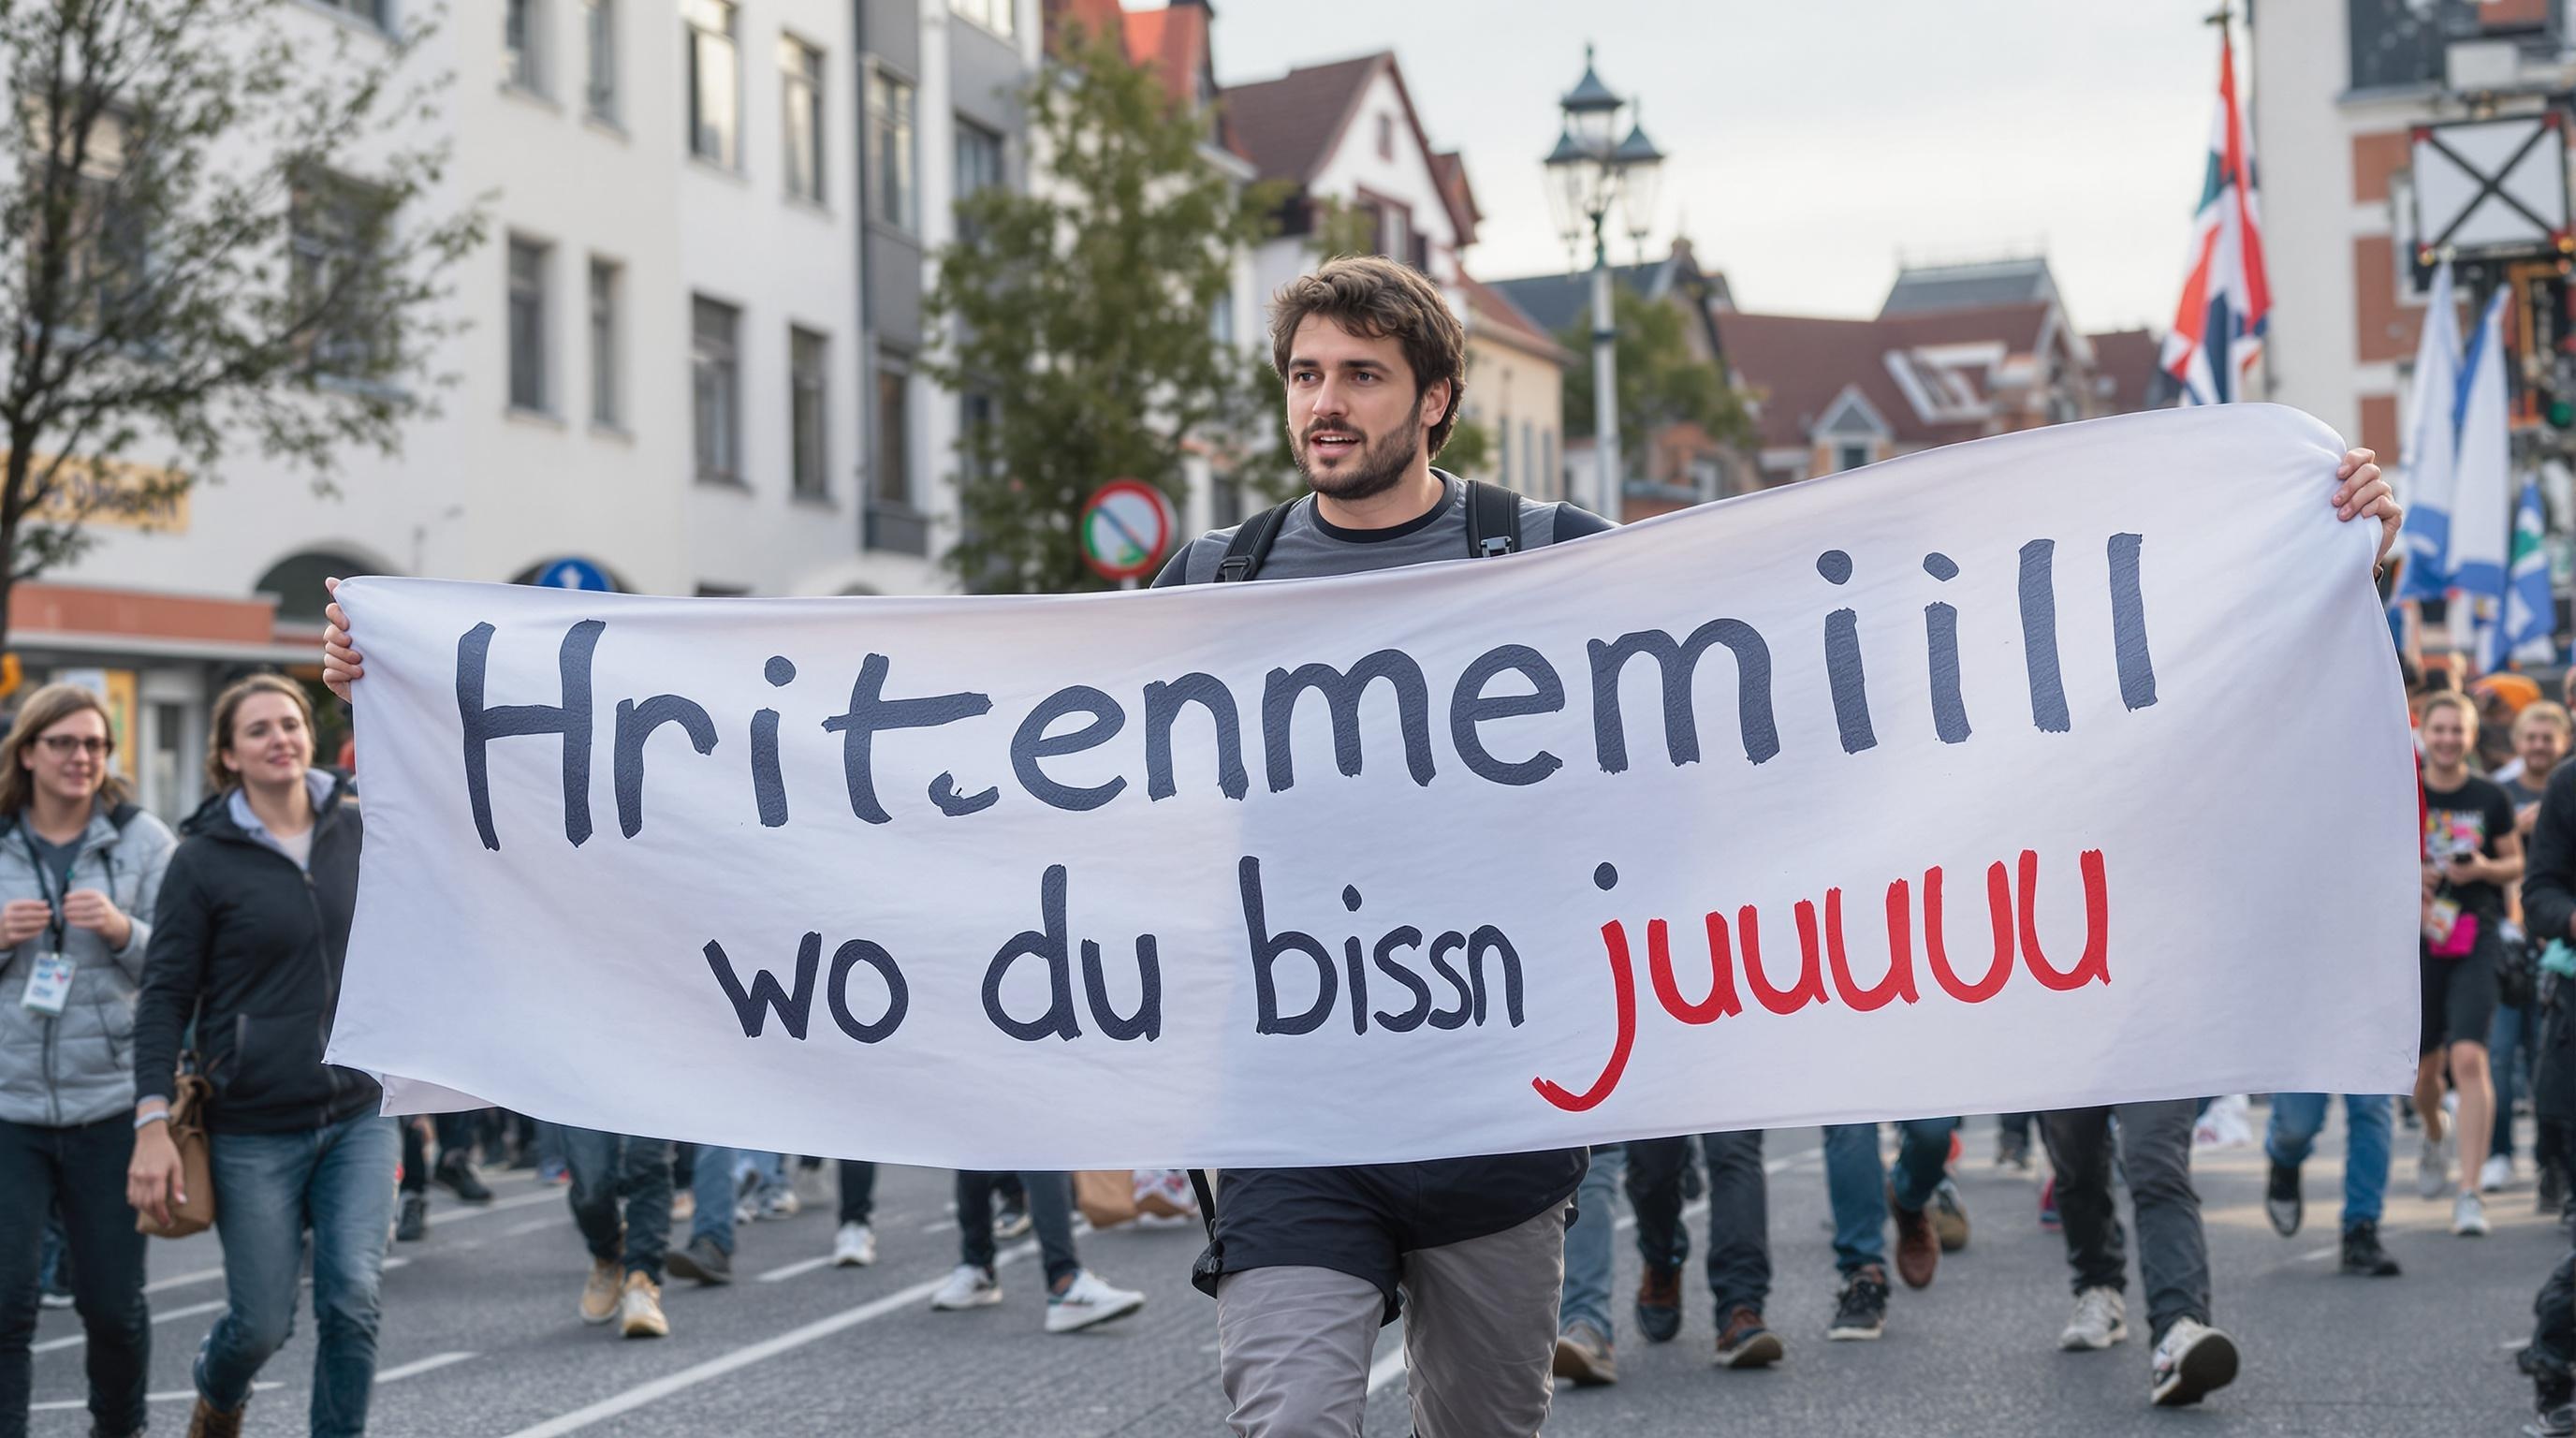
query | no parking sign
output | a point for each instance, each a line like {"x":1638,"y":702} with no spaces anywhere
{"x":1126,"y":529}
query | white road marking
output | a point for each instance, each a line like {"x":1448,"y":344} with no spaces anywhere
{"x":447,"y":1216}
{"x":781,"y":1275}
{"x":182,"y":1280}
{"x":744,"y":1357}
{"x":945,"y":1225}
{"x":420,"y":1366}
{"x":529,"y":1226}
{"x":75,"y":1340}
{"x":183,"y":1395}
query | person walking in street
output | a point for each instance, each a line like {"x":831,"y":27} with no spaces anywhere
{"x":246,"y":948}
{"x":80,"y":871}
{"x":454,"y":1170}
{"x":2541,"y":735}
{"x":1865,"y":1196}
{"x":1306,"y":1263}
{"x":2470,"y":852}
{"x":1739,"y":1242}
{"x":1077,"y":1298}
{"x":1584,"y":1329}
{"x":626,"y":1249}
{"x":2289,"y":1136}
{"x":2191,"y":1358}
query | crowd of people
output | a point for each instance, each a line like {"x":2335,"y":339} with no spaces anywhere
{"x":178,"y":992}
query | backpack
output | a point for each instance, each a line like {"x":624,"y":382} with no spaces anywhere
{"x":1493,"y":529}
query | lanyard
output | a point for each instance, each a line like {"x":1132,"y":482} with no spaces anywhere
{"x":44,"y":888}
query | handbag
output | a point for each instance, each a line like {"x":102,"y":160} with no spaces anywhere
{"x":195,"y":1212}
{"x":1107,"y":1197}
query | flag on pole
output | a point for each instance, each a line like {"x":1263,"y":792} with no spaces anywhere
{"x":2226,"y":299}
{"x":2432,"y":443}
{"x":2528,"y":634}
{"x":2482,"y":512}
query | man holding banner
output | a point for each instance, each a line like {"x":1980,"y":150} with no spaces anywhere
{"x":1378,"y":1154}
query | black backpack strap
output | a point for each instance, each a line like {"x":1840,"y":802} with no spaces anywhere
{"x":1493,"y":520}
{"x":1245,"y":554}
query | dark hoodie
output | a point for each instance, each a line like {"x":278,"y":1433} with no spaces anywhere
{"x":248,"y":947}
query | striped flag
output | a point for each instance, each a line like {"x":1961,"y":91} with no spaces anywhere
{"x":2432,"y":444}
{"x":2482,"y":513}
{"x":2529,"y":632}
{"x":2226,"y":301}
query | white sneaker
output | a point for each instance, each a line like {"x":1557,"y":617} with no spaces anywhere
{"x":2469,"y":1216}
{"x":779,"y":1203}
{"x":967,"y":1287}
{"x":2101,"y":1319}
{"x":2433,"y":1167}
{"x":854,"y":1246}
{"x":2193,"y":1360}
{"x":2496,"y":1174}
{"x":1087,"y":1302}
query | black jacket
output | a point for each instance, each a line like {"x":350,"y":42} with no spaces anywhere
{"x":2549,"y":905}
{"x":247,"y":947}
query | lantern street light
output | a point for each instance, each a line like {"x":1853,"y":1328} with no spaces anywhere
{"x":1591,"y":171}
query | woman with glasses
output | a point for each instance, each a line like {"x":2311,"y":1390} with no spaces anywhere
{"x":80,"y":867}
{"x":247,"y":943}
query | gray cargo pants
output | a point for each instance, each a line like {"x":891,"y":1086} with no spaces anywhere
{"x":1479,"y":1333}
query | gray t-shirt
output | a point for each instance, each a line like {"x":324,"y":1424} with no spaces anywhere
{"x":1309,"y":547}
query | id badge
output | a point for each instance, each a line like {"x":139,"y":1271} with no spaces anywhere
{"x":49,"y":986}
{"x":2439,"y":923}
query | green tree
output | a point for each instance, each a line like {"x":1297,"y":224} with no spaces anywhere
{"x":1661,"y":382}
{"x":1084,"y":309}
{"x":194,"y":261}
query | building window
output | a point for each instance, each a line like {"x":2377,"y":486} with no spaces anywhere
{"x":993,"y":15}
{"x":599,"y":43}
{"x":1555,"y":477}
{"x":894,"y":438}
{"x":336,"y":227}
{"x":715,"y":102}
{"x":979,"y":167}
{"x":890,"y":111}
{"x":1503,"y":452}
{"x":1850,"y":456}
{"x":371,"y":11}
{"x":522,"y":45}
{"x":802,"y":67}
{"x":604,"y":408}
{"x":1529,"y":458}
{"x":807,"y":374}
{"x":1225,"y":502}
{"x":715,"y":387}
{"x":1386,"y":137}
{"x":527,"y":324}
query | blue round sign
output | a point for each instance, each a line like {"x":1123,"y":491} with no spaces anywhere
{"x":571,"y":573}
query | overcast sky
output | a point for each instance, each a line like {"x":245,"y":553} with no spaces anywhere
{"x":1814,"y":141}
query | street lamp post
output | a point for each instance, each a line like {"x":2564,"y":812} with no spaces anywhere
{"x":1590,"y":172}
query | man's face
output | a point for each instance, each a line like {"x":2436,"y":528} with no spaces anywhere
{"x":2541,"y":745}
{"x":1354,"y":422}
{"x":2446,"y":736}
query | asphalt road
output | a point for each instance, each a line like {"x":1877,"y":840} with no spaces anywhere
{"x":480,"y":1335}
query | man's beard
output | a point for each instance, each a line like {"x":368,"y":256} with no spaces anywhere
{"x":1377,"y":468}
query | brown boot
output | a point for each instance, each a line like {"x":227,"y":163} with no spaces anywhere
{"x":1918,"y":1245}
{"x":208,"y":1421}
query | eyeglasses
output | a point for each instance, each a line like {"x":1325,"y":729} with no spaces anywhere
{"x":63,"y":746}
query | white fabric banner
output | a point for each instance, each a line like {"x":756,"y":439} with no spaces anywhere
{"x":2096,"y":729}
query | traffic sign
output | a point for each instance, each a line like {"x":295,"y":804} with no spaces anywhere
{"x":1126,"y":529}
{"x":574,"y":573}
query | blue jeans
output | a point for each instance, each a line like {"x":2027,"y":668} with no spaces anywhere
{"x":711,"y":1186}
{"x":607,"y":1167}
{"x":2298,"y":1117}
{"x":1589,"y":1246}
{"x":1857,"y":1182}
{"x":270,"y":1187}
{"x":2509,"y":1055}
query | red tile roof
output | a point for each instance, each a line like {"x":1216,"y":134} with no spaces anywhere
{"x":1797,"y":364}
{"x":1095,"y":17}
{"x":1289,"y":126}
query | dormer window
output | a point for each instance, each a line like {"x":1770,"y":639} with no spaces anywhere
{"x":1386,"y":137}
